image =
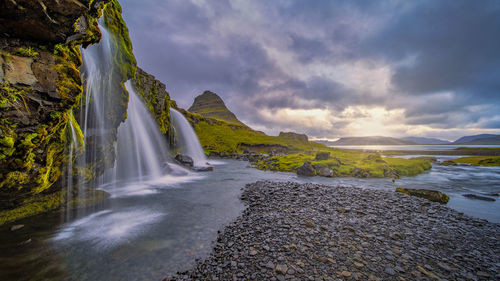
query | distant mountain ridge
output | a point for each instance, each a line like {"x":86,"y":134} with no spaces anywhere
{"x":479,"y":139}
{"x":423,"y":140}
{"x":210,"y":105}
{"x":371,"y":140}
{"x":495,"y":140}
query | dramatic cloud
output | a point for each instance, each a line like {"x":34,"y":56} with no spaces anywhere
{"x":330,"y":68}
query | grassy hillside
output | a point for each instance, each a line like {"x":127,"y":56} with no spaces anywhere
{"x":224,"y":139}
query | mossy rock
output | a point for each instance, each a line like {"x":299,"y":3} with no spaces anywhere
{"x":431,"y":195}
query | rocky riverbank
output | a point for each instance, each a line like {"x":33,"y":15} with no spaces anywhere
{"x":293,"y":231}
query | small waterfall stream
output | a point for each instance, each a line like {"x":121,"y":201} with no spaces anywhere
{"x":141,"y":150}
{"x":136,"y":151}
{"x":189,"y":143}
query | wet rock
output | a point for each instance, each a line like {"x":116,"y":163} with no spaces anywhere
{"x":306,"y":170}
{"x":432,"y":195}
{"x":202,"y":168}
{"x":479,"y":197}
{"x":448,"y":163}
{"x":184,"y":160}
{"x":381,"y":235}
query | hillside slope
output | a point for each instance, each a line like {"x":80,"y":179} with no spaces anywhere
{"x":475,"y":138}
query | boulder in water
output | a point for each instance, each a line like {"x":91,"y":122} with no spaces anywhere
{"x":184,"y":160}
{"x":479,"y":197}
{"x":306,"y":170}
{"x":432,"y":195}
{"x":202,"y":168}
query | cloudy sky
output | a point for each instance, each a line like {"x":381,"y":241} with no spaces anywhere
{"x":330,"y":68}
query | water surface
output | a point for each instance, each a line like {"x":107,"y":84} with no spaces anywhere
{"x":146,"y":231}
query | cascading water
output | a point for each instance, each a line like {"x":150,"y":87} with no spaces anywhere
{"x":188,"y":141}
{"x":141,"y":150}
{"x":136,"y":151}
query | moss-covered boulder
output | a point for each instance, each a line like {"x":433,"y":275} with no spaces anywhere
{"x":306,"y":170}
{"x":432,"y":195}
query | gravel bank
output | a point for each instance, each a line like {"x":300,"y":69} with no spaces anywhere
{"x":293,"y":231}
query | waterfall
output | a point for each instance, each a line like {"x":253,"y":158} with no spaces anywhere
{"x":188,"y":141}
{"x":141,"y":149}
{"x":137,"y":151}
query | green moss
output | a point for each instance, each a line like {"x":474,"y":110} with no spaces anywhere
{"x":479,"y":160}
{"x":124,"y":57}
{"x":27,"y":52}
{"x":219,"y":137}
{"x":432,"y":195}
{"x":6,"y":56}
{"x":349,"y":163}
{"x":32,"y":206}
{"x":15,"y":179}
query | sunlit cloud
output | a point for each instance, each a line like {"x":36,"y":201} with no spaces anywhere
{"x":330,"y":68}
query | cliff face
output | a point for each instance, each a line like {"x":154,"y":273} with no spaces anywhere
{"x":40,"y":87}
{"x":210,"y":105}
{"x":155,"y":96}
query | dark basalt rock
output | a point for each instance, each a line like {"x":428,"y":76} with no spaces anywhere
{"x":432,"y":195}
{"x":184,"y":160}
{"x":322,"y":156}
{"x":202,"y":169}
{"x":306,"y":170}
{"x":360,"y":173}
{"x":45,"y":21}
{"x":478,"y":197}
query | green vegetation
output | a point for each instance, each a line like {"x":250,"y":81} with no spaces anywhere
{"x":432,"y":195}
{"x":27,"y":52}
{"x":479,"y":160}
{"x":222,"y":138}
{"x":345,"y":163}
{"x":48,"y":202}
{"x":10,"y":96}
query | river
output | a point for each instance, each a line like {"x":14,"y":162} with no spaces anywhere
{"x":146,"y":231}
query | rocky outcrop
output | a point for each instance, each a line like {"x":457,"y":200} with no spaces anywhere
{"x":322,"y":156}
{"x":324,"y":171}
{"x":295,"y":136}
{"x":210,"y":105}
{"x":306,"y":170}
{"x":432,"y":195}
{"x":155,"y":96}
{"x":184,"y":160}
{"x":48,"y":21}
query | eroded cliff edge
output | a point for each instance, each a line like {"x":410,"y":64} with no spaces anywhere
{"x":41,"y":91}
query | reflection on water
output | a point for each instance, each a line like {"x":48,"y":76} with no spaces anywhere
{"x":166,"y":224}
